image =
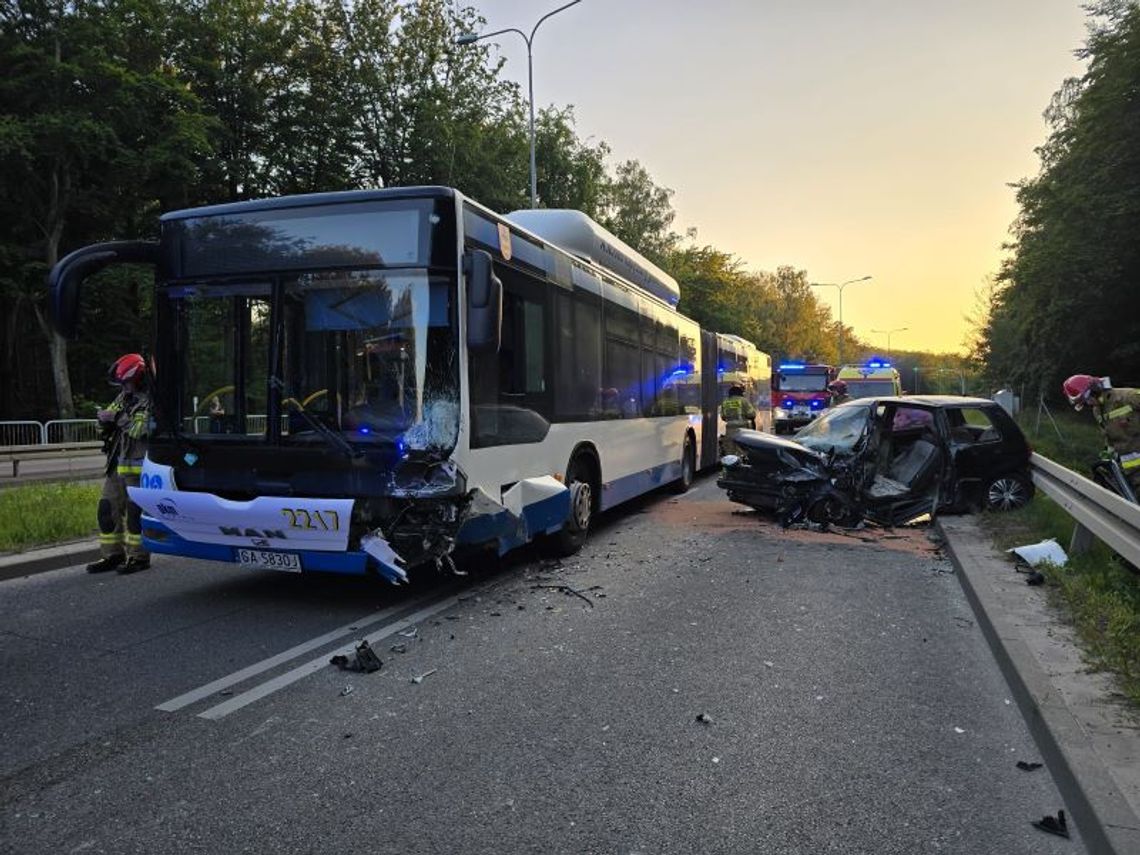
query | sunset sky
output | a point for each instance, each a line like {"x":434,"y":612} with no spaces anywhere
{"x":844,"y":137}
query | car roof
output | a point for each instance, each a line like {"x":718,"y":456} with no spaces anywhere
{"x":923,"y":400}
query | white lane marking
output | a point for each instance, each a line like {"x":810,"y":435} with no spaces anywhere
{"x":311,"y":667}
{"x":205,"y":691}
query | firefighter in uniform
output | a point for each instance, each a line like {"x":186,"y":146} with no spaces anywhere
{"x":1117,"y":412}
{"x":838,"y":389}
{"x":126,"y":424}
{"x":737,"y":410}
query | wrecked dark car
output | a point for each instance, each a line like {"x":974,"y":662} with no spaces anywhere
{"x":887,"y":460}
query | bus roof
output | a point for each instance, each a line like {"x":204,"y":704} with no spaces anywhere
{"x":576,"y":233}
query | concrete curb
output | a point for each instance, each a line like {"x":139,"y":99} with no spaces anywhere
{"x":34,"y":561}
{"x":1090,"y":747}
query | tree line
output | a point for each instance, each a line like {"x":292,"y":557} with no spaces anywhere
{"x":1066,"y":299}
{"x":114,"y":111}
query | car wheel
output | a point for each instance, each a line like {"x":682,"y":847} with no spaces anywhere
{"x":1007,"y":493}
{"x":688,"y":468}
{"x":580,"y":482}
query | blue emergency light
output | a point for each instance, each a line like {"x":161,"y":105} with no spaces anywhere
{"x":878,"y":362}
{"x":791,"y":366}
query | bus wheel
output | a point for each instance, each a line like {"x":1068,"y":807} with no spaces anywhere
{"x":573,"y":534}
{"x":688,"y":467}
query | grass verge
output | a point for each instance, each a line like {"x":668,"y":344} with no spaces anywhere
{"x":1075,"y":442}
{"x":39,"y":514}
{"x":1099,"y":594}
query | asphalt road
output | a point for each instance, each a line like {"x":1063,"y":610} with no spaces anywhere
{"x":850,"y":704}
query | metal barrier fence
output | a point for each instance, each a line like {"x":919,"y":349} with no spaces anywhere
{"x":71,"y":430}
{"x":22,"y":433}
{"x":1098,"y":512}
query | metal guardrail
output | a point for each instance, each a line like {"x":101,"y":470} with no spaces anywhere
{"x":1098,"y":512}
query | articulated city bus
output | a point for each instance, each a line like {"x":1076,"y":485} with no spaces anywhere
{"x":361,"y":382}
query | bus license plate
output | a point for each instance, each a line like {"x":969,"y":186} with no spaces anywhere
{"x":290,"y":562}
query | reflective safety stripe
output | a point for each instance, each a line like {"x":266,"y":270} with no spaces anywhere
{"x":127,"y":469}
{"x":1119,"y":412}
{"x":133,"y":539}
{"x":1130,"y":461}
{"x":111,"y":538}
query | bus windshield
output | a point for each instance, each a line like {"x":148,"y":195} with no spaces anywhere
{"x":803,"y":382}
{"x":368,"y":353}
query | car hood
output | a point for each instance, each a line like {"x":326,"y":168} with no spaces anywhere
{"x":760,"y":448}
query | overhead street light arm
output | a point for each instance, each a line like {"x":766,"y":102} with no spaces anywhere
{"x":471,"y":38}
{"x":840,"y":286}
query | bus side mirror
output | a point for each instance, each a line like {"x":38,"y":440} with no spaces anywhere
{"x":484,"y":303}
{"x":66,"y":278}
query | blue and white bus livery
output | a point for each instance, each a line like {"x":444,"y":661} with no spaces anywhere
{"x":364,"y":381}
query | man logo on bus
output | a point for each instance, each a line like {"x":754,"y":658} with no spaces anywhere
{"x":167,"y":508}
{"x":234,"y":531}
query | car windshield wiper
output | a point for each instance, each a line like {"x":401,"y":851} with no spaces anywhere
{"x":334,"y":439}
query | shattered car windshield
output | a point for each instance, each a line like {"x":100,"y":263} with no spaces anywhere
{"x":838,"y":430}
{"x":372,"y":354}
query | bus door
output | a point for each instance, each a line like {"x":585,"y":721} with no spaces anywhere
{"x":710,"y":399}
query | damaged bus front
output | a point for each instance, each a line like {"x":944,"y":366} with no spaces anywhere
{"x":306,"y":381}
{"x":359,"y":382}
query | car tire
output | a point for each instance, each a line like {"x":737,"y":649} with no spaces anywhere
{"x":1007,"y":492}
{"x":581,"y":483}
{"x":688,"y":467}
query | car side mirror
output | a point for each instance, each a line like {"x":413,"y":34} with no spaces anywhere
{"x":484,"y":303}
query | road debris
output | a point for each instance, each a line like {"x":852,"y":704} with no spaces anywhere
{"x":346,"y":691}
{"x":410,"y":632}
{"x":569,"y":590}
{"x":958,"y":730}
{"x":1027,"y":767}
{"x":399,"y":648}
{"x":1047,"y":551}
{"x":364,"y":660}
{"x":420,"y":678}
{"x":1053,"y":825}
{"x":704,"y":718}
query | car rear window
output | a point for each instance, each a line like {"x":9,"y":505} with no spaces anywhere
{"x":972,"y":425}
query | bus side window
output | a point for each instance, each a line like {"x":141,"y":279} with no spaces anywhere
{"x":510,"y":389}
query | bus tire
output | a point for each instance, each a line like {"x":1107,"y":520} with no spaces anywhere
{"x":582,"y":483}
{"x":688,"y":466}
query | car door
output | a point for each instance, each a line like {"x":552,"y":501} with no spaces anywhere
{"x":977,"y":448}
{"x":910,"y":465}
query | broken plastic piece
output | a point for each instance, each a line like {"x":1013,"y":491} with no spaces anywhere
{"x":420,"y":678}
{"x":1053,"y":825}
{"x":365,"y":660}
{"x":1038,"y":553}
{"x":704,"y":718}
{"x":1027,"y":767}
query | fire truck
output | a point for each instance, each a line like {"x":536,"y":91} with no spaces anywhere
{"x":800,"y":393}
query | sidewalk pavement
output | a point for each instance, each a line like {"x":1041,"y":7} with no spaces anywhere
{"x":1088,"y":736}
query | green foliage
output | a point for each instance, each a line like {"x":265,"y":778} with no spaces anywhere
{"x":38,"y":514}
{"x":1066,"y":300}
{"x":113,"y":111}
{"x":1099,"y":593}
{"x":1077,"y":446}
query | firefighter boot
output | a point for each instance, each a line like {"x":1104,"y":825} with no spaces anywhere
{"x":107,"y":562}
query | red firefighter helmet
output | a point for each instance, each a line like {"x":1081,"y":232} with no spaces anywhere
{"x":1080,"y":387}
{"x":129,"y":367}
{"x":838,"y":387}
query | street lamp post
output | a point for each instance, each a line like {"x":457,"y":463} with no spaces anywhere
{"x":888,"y":334}
{"x":840,"y":286}
{"x":916,"y":379}
{"x":471,"y":38}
